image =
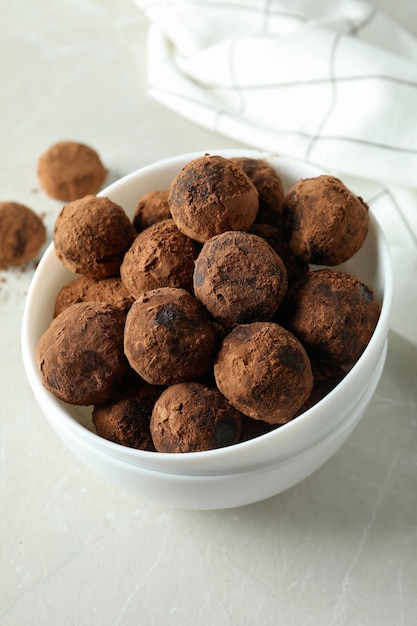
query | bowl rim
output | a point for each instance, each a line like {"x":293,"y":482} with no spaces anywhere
{"x":55,"y":409}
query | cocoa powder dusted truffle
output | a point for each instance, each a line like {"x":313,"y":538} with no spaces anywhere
{"x":325,"y":222}
{"x":80,"y":356}
{"x":69,"y":170}
{"x":169,"y":337}
{"x":269,"y":187}
{"x":127,"y":421}
{"x":86,"y":289}
{"x":332,"y":313}
{"x":191,"y":417}
{"x":160,"y":256}
{"x":264,"y":371}
{"x":91,"y":236}
{"x":211,"y":195}
{"x":22,"y":234}
{"x":239,"y":278}
{"x":152,"y":207}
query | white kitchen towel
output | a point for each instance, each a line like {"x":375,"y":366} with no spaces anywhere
{"x":332,"y":83}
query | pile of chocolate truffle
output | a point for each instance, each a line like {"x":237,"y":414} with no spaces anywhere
{"x":201,"y":323}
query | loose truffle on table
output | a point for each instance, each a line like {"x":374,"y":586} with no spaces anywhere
{"x":295,"y":266}
{"x":191,"y":417}
{"x":332,"y":313}
{"x":269,"y":187}
{"x":325,"y":222}
{"x":127,"y":421}
{"x":152,"y":207}
{"x":86,"y":289}
{"x":80,"y":356}
{"x":211,"y":195}
{"x":91,"y":236}
{"x":239,"y":278}
{"x":264,"y":372}
{"x":169,"y":337}
{"x":22,"y":234}
{"x":69,"y":170}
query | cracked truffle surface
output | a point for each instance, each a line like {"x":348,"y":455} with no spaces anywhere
{"x":169,"y":337}
{"x":160,"y":256}
{"x":22,"y":234}
{"x":190,"y":417}
{"x":152,"y":207}
{"x":269,"y":187}
{"x":91,"y":236}
{"x":69,"y":170}
{"x":332,"y":313}
{"x":127,"y":421}
{"x":80,"y":356}
{"x":211,"y":195}
{"x":86,"y":289}
{"x":264,"y":371}
{"x":239,"y":278}
{"x":325,"y":222}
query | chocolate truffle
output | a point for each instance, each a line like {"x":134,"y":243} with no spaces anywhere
{"x":160,"y":256}
{"x":239,"y":278}
{"x":191,"y":417}
{"x":332,"y":313}
{"x":264,"y":371}
{"x":169,"y":337}
{"x":86,"y":289}
{"x":211,"y":195}
{"x":69,"y":170}
{"x":91,"y":236}
{"x":80,"y":356}
{"x":325,"y":222}
{"x":152,"y":207}
{"x":22,"y":234}
{"x":269,"y":187}
{"x":295,"y":266}
{"x":127,"y":421}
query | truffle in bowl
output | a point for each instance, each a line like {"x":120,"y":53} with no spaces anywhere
{"x":252,"y":469}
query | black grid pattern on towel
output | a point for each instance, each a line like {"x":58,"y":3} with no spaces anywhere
{"x":266,"y":10}
{"x":200,"y":100}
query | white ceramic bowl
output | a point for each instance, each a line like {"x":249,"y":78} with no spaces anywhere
{"x":249,"y":471}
